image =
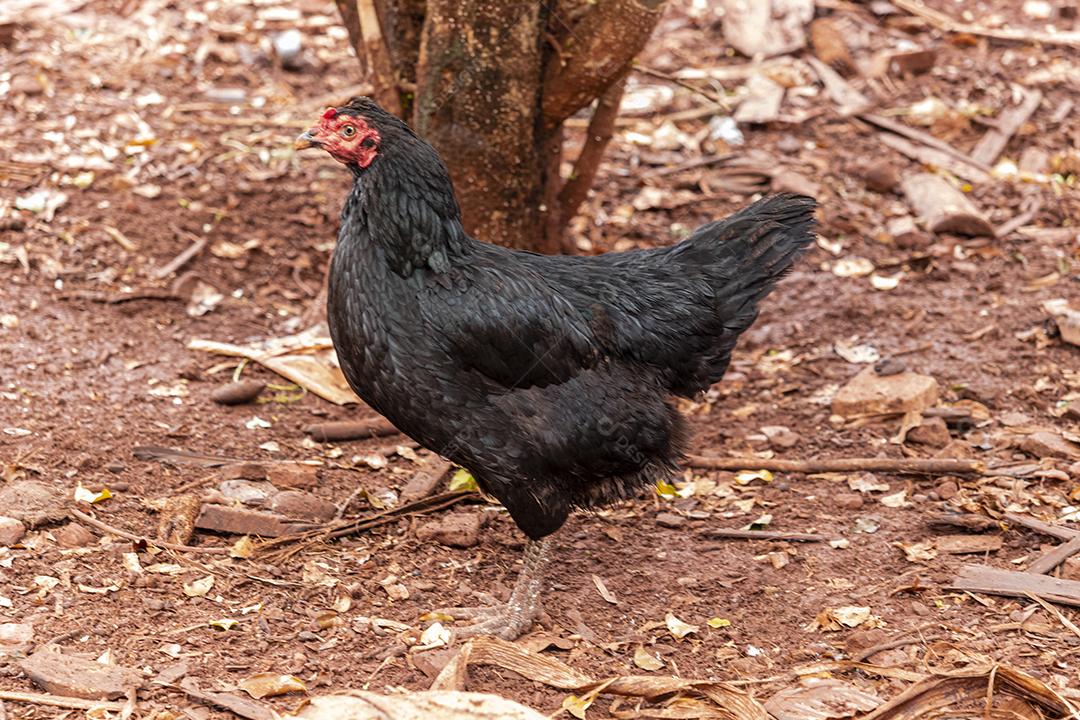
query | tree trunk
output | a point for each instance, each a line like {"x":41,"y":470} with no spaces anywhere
{"x":477,"y":102}
{"x":494,"y":81}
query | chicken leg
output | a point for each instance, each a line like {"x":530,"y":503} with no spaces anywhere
{"x":516,"y":616}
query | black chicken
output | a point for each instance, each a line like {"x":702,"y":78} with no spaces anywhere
{"x":548,"y":377}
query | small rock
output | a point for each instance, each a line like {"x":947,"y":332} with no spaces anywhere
{"x":780,"y":436}
{"x":880,"y":176}
{"x":955,"y":449}
{"x":74,"y":676}
{"x":919,"y":608}
{"x":293,"y":475}
{"x":860,"y":640}
{"x":238,"y":393}
{"x":11,"y":531}
{"x":906,"y":234}
{"x":244,"y":471}
{"x":74,"y":535}
{"x":16,"y":633}
{"x":241,"y":521}
{"x":670,"y":520}
{"x":33,"y":502}
{"x":1034,"y":160}
{"x":455,"y":530}
{"x":913,"y":62}
{"x":947,"y":489}
{"x":1045,"y":444}
{"x":247,"y":492}
{"x":933,"y":432}
{"x":848,"y":501}
{"x":788,"y":144}
{"x":871,"y":394}
{"x":303,"y":505}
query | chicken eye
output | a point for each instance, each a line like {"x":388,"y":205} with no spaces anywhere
{"x":348,"y":131}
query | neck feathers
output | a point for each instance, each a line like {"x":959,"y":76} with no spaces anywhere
{"x":405,"y":202}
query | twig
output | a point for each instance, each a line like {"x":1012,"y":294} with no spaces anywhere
{"x":922,"y":137}
{"x":697,"y":90}
{"x":94,"y":522}
{"x":1020,"y":220}
{"x":689,"y":165}
{"x":378,"y":58}
{"x":183,"y":258}
{"x":1056,"y":613}
{"x":63,"y":701}
{"x":862,"y":655}
{"x":597,"y":136}
{"x":918,"y":466}
{"x":991,"y":145}
{"x":763,"y":535}
{"x":119,"y":298}
{"x":948,"y":24}
{"x":341,"y":528}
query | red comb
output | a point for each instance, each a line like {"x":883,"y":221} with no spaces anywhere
{"x":329,"y":114}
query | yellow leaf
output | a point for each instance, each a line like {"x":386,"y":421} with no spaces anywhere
{"x":666,"y":490}
{"x":89,"y":496}
{"x":242,"y":548}
{"x":718,"y":622}
{"x":646,"y":660}
{"x":577,"y":706}
{"x":263,"y":685}
{"x":745,"y":477}
{"x":198,"y":588}
{"x":224,"y":624}
{"x":463,"y":481}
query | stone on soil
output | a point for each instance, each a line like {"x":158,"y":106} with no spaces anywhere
{"x":780,"y":436}
{"x":292,"y":475}
{"x":73,"y":535}
{"x":33,"y":502}
{"x":74,"y":676}
{"x":670,"y":520}
{"x":11,"y":531}
{"x":241,"y":521}
{"x":303,"y":506}
{"x":457,"y":530}
{"x":871,"y":394}
{"x":933,"y":432}
{"x":1045,"y":444}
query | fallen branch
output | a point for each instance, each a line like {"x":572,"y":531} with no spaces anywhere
{"x":1008,"y":228}
{"x":948,"y":24}
{"x":923,"y":138}
{"x":849,"y":100}
{"x":764,"y":535}
{"x":72,"y":703}
{"x":917,"y":466}
{"x":934,"y":157}
{"x":351,"y":430}
{"x":1058,"y":531}
{"x":1049,"y":560}
{"x":105,"y":527}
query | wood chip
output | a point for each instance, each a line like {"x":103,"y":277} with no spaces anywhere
{"x":963,"y":544}
{"x":993,"y":581}
{"x":74,"y":676}
{"x":943,"y":208}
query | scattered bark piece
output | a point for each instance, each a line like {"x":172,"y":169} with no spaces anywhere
{"x":869,"y":393}
{"x":244,"y":471}
{"x":460,"y":530}
{"x":763,"y":100}
{"x":965,"y":544}
{"x":74,"y":676}
{"x":766,"y":28}
{"x":1034,"y":160}
{"x":426,"y":480}
{"x":993,"y":581}
{"x":351,"y":430}
{"x":970,"y":521}
{"x":670,"y":520}
{"x":821,"y":699}
{"x":244,"y":707}
{"x":943,"y":208}
{"x":880,"y":175}
{"x":1058,"y":531}
{"x":176,"y":524}
{"x":15,"y":638}
{"x":238,"y":393}
{"x":31,"y":502}
{"x":993,"y":143}
{"x":906,"y":234}
{"x":791,"y":181}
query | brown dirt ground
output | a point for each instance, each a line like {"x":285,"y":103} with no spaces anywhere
{"x":78,"y":374}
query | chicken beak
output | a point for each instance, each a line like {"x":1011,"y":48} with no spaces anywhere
{"x":306,"y":139}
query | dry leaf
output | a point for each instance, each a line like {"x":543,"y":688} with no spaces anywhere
{"x":604,"y":592}
{"x":646,"y":660}
{"x":677,"y":627}
{"x":198,"y":588}
{"x":271,"y":685}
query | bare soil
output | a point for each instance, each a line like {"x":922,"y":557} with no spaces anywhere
{"x":81,"y":375}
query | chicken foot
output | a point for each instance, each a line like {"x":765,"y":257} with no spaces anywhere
{"x":511,"y":620}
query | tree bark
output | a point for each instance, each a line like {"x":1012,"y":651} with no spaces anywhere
{"x":477,"y":102}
